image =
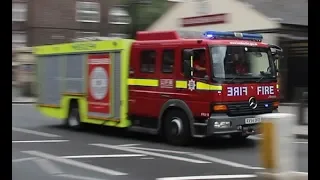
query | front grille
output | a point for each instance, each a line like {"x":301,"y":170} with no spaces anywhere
{"x":243,"y":108}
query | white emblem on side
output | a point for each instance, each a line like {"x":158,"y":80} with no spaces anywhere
{"x":191,"y":85}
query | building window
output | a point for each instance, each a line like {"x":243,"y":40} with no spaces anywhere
{"x":148,"y":61}
{"x":118,"y":35}
{"x":19,"y":39}
{"x":82,"y":34}
{"x":19,"y":12}
{"x":87,"y":12}
{"x":119,"y":16}
{"x":168,"y":61}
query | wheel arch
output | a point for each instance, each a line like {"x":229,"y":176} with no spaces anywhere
{"x":175,"y":104}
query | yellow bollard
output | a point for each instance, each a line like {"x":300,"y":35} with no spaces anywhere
{"x":277,"y":150}
{"x":267,"y":145}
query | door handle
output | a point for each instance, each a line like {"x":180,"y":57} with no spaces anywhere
{"x":165,"y":95}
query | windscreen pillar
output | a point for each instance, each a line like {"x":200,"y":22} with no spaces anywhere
{"x":278,"y":151}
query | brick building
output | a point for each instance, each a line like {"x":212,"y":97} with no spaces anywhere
{"x":39,"y":22}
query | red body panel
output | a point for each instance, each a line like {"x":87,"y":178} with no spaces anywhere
{"x":99,"y":101}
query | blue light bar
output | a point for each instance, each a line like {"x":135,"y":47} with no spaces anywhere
{"x":232,"y":35}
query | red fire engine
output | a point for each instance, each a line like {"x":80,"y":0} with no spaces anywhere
{"x":237,"y":81}
{"x":174,"y":83}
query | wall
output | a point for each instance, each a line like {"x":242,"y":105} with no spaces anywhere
{"x":241,"y":17}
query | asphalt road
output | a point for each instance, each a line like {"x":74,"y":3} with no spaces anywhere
{"x":43,"y":149}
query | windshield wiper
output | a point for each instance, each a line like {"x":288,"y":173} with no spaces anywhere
{"x":231,"y":80}
{"x":264,"y":75}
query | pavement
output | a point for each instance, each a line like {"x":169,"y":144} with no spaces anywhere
{"x":18,"y":99}
{"x":43,"y":149}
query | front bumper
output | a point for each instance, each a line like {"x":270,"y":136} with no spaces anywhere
{"x":237,"y":125}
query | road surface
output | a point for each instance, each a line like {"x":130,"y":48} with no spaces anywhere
{"x":43,"y":149}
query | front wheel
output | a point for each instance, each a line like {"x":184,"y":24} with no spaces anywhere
{"x":177,"y":128}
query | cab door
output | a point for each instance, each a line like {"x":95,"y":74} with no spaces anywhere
{"x":144,"y":91}
{"x":190,"y":90}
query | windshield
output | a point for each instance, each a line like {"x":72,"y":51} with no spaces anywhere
{"x":242,"y":62}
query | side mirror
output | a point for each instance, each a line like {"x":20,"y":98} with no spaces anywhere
{"x":187,"y":68}
{"x":276,"y":52}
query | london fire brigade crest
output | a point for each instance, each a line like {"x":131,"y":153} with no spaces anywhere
{"x":99,"y":83}
{"x":191,"y":85}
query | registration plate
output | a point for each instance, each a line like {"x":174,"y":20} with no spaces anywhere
{"x":252,"y":120}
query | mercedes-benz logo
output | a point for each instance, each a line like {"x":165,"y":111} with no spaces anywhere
{"x":253,"y":102}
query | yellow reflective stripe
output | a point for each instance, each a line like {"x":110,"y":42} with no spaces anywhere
{"x":178,"y":84}
{"x":204,"y":86}
{"x":143,"y":82}
{"x":181,"y":84}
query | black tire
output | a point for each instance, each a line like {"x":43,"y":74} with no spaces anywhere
{"x":171,"y":132}
{"x":73,"y":121}
{"x":239,"y":137}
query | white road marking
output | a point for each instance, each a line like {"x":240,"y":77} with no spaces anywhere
{"x":300,"y":173}
{"x":27,"y":131}
{"x":23,"y":159}
{"x":259,"y":138}
{"x":70,"y":176}
{"x":103,"y":156}
{"x":220,"y":161}
{"x":41,"y":141}
{"x":75,"y":163}
{"x":47,"y":166}
{"x":160,"y":150}
{"x":151,"y":153}
{"x":129,"y":145}
{"x":147,"y":158}
{"x":239,"y":176}
{"x":301,"y":142}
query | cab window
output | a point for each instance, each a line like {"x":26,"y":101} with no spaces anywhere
{"x":183,"y":57}
{"x":168,"y":61}
{"x":147,"y":61}
{"x":199,"y":63}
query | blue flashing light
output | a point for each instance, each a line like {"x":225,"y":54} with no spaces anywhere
{"x":232,"y":35}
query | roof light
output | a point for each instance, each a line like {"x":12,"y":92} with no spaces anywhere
{"x":222,"y":35}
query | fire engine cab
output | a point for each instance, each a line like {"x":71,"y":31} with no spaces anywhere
{"x":179,"y":84}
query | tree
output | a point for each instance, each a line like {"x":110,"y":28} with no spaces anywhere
{"x":143,"y":15}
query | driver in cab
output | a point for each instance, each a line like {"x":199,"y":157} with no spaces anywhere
{"x":241,"y":66}
{"x":199,"y":65}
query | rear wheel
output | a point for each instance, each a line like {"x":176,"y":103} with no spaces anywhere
{"x":73,"y":121}
{"x":177,"y":127}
